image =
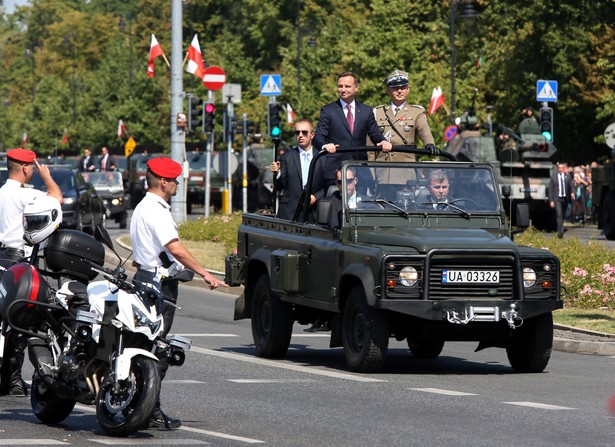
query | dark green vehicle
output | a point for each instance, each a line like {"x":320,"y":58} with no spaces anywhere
{"x":400,"y":266}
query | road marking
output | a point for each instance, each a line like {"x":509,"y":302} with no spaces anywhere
{"x":287,"y":366}
{"x":209,"y":335}
{"x":132,"y":441}
{"x":441,"y":391}
{"x":222,"y":435}
{"x":271,"y":380}
{"x":539,"y":405}
{"x":32,"y":442}
{"x":312,"y":335}
{"x":183,"y":381}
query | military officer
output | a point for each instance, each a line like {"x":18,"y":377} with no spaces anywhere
{"x":400,"y":123}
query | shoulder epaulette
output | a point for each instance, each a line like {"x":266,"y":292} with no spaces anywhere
{"x":417,"y":106}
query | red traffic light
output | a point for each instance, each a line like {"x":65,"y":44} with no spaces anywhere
{"x":210,"y":108}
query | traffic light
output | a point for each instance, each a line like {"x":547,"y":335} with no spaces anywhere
{"x":275,"y":126}
{"x":195,"y":114}
{"x":546,"y":123}
{"x":210,"y":112}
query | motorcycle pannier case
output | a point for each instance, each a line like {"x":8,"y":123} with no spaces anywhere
{"x":70,"y":252}
{"x":22,"y":281}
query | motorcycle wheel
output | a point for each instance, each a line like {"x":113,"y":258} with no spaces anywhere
{"x":47,"y":406}
{"x":124,"y":411}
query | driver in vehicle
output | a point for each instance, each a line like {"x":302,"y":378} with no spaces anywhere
{"x":438,"y":188}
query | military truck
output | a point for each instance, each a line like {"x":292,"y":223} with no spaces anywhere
{"x":524,"y":164}
{"x":603,"y":197}
{"x":399,"y":266}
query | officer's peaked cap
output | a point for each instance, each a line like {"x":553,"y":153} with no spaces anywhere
{"x":164,"y":167}
{"x":397,"y":78}
{"x":21,"y":155}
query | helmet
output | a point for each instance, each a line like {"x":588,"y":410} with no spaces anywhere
{"x":41,"y":217}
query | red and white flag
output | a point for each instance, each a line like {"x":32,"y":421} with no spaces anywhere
{"x":65,"y":136}
{"x":155,"y":50}
{"x":195,"y":59}
{"x":290,"y":115}
{"x":24,"y":139}
{"x":437,"y":99}
{"x":121,"y":129}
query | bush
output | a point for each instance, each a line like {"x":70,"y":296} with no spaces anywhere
{"x":587,"y":276}
{"x":216,"y":228}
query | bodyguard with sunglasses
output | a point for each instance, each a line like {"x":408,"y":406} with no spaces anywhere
{"x":291,"y":172}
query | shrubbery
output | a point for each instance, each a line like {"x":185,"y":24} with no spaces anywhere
{"x":587,"y":275}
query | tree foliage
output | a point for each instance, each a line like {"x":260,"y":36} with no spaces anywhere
{"x":81,"y":65}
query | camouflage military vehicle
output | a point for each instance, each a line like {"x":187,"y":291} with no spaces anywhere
{"x":399,"y":266}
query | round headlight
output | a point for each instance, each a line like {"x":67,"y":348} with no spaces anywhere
{"x":529,"y":277}
{"x":115,"y":202}
{"x":408,"y":276}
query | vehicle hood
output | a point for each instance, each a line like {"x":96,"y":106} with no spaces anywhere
{"x":425,"y":239}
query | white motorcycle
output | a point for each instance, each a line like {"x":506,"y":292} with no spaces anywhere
{"x":92,"y":342}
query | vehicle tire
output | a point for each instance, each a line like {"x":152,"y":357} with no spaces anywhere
{"x":188,"y":207}
{"x":425,"y":349}
{"x":125,"y":411}
{"x":608,"y":219}
{"x":529,"y":347}
{"x":272,"y":321}
{"x":365,"y":334}
{"x":47,"y":406}
{"x":123,"y":220}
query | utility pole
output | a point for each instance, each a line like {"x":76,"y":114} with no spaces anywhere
{"x":178,"y":136}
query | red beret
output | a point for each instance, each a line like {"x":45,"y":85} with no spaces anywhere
{"x":164,"y":167}
{"x":22,"y":155}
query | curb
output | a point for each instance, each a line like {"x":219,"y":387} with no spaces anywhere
{"x":583,"y":347}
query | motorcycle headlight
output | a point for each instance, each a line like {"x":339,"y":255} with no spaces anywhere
{"x":529,"y":277}
{"x":142,"y":320}
{"x":408,"y":276}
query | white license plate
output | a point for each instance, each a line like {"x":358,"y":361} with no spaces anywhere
{"x":470,"y":276}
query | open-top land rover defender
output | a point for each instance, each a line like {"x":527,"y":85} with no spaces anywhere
{"x":395,"y":264}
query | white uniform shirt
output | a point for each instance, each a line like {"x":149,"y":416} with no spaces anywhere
{"x":151,"y":228}
{"x":13,"y":200}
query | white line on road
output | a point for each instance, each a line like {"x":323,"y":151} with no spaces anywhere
{"x":148,"y":441}
{"x":312,"y":335}
{"x":32,"y":442}
{"x":441,"y":391}
{"x":281,"y":365}
{"x":222,"y":435}
{"x":184,"y":382}
{"x":271,"y":380}
{"x":209,"y":335}
{"x":539,"y":405}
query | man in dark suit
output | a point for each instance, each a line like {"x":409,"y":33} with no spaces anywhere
{"x":86,"y":164}
{"x":437,"y":191}
{"x":345,"y":123}
{"x":561,"y":193}
{"x":291,"y":172}
{"x":107,"y":163}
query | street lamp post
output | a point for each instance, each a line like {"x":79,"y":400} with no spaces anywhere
{"x":468,"y":13}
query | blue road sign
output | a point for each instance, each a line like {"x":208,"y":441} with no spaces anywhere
{"x":546,"y":91}
{"x":271,"y":85}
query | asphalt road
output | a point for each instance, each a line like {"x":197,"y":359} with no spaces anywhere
{"x":226,"y":396}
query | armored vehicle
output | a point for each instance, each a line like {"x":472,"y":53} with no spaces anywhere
{"x":394,"y":264}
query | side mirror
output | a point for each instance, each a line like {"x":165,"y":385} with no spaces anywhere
{"x":323,"y":212}
{"x":522,"y":215}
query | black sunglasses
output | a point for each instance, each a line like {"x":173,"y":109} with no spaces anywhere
{"x":348,"y":181}
{"x":305,"y":133}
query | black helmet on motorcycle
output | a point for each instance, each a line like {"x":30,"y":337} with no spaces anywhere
{"x":41,"y":217}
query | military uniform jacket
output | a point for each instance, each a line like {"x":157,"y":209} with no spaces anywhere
{"x":400,"y":129}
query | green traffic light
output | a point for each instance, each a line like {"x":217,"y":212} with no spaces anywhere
{"x":547,"y":135}
{"x":276,"y":132}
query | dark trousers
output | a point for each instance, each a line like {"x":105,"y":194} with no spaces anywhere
{"x":561,"y":204}
{"x":162,"y":290}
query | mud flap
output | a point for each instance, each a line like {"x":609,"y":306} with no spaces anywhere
{"x":241,"y":311}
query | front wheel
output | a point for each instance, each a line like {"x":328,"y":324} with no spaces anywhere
{"x":272,"y":321}
{"x":123,"y":410}
{"x":365,"y":332}
{"x":47,"y":406}
{"x":529,"y":347}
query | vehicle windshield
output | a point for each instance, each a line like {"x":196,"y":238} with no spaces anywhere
{"x":420,"y":188}
{"x":104,"y":180}
{"x":64,"y":179}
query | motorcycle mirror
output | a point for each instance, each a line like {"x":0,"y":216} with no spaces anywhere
{"x":101,"y":234}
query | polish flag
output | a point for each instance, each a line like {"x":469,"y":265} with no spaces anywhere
{"x":121,"y":129}
{"x":24,"y":139}
{"x":155,"y":50}
{"x":437,"y":99}
{"x":290,"y":115}
{"x":195,"y":59}
{"x":65,"y":136}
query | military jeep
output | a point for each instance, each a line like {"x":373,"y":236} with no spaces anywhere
{"x":398,"y":265}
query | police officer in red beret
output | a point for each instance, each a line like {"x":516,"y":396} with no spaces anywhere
{"x":13,"y":198}
{"x":155,"y":242}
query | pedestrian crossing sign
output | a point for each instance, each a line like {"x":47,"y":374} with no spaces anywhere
{"x":546,"y":91}
{"x":271,"y":85}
